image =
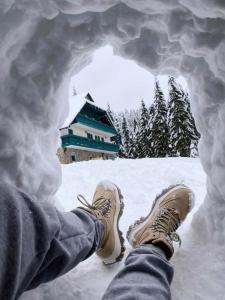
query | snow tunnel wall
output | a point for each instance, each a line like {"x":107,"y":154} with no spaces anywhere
{"x":45,"y":42}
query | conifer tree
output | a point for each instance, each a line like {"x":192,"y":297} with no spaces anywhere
{"x":159,"y":130}
{"x":125,"y":139}
{"x":151,"y":113}
{"x":116,"y":120}
{"x":144,"y":143}
{"x":132,"y":118}
{"x":136,"y":137}
{"x":118,"y":139}
{"x":195,"y":135}
{"x":133,"y":153}
{"x":180,"y":121}
{"x":133,"y":137}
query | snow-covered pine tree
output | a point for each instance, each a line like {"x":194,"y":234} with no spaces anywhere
{"x":125,"y":139}
{"x":143,"y":135}
{"x":195,"y":135}
{"x":180,"y":139}
{"x":132,"y":118}
{"x":159,"y":131}
{"x":124,"y":124}
{"x":117,"y":122}
{"x":151,"y":113}
{"x":180,"y":121}
{"x":134,"y":151}
{"x":133,"y":122}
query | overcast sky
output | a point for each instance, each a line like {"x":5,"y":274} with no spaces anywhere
{"x":117,"y":81}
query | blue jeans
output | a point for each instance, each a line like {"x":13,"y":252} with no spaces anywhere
{"x":39,"y":243}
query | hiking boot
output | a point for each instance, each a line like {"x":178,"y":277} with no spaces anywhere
{"x":169,"y":209}
{"x":107,"y":206}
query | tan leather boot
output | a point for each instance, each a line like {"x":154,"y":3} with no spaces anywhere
{"x":107,"y":206}
{"x":159,"y":227}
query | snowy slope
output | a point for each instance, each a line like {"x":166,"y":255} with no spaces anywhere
{"x":139,"y":180}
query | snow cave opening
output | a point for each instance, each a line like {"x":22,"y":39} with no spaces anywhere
{"x":44,"y":43}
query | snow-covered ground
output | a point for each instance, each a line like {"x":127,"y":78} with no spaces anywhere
{"x":139,"y":180}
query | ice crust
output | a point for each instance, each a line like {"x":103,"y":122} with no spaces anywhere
{"x":45,"y":42}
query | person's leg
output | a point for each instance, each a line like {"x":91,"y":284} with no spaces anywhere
{"x":39,"y":243}
{"x":147,"y":274}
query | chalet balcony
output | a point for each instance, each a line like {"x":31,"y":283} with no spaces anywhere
{"x":75,"y":140}
{"x":95,"y":124}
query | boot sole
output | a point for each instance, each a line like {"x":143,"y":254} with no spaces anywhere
{"x":119,"y":248}
{"x":138,"y":224}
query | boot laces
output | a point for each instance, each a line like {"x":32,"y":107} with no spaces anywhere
{"x":167,"y":222}
{"x":101,"y":204}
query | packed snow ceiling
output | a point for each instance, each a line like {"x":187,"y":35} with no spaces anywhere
{"x":45,"y":42}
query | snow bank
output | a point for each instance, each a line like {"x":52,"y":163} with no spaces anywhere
{"x":45,"y":42}
{"x":140,"y":181}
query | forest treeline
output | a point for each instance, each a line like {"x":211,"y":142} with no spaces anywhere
{"x":166,"y":128}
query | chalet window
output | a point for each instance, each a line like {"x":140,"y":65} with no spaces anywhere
{"x":70,"y":131}
{"x":90,"y":136}
{"x":99,"y":139}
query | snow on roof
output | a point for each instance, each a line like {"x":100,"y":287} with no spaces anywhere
{"x":75,"y":105}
